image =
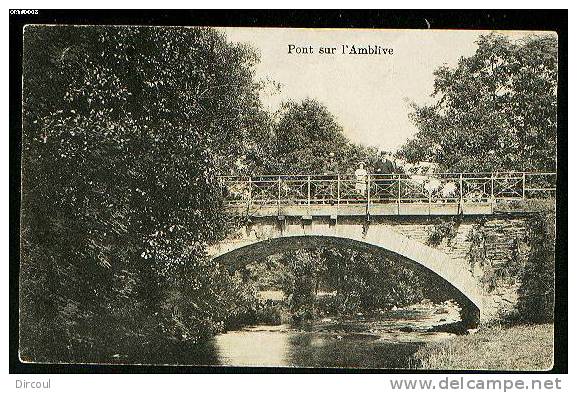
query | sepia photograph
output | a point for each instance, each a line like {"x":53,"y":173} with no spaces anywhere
{"x":283,"y":197}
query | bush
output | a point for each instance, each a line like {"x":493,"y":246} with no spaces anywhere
{"x":442,"y":230}
{"x":537,"y":290}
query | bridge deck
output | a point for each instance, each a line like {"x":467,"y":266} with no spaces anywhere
{"x":374,"y":209}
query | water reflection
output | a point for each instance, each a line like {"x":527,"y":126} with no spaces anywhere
{"x":350,"y":350}
{"x":262,"y":346}
{"x":385,"y":341}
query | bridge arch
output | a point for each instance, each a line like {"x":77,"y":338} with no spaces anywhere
{"x":267,"y":237}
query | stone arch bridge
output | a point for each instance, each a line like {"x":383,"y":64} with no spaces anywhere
{"x":391,"y":215}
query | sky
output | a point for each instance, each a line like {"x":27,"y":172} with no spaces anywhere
{"x":368,"y":94}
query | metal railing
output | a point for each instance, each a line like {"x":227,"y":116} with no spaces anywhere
{"x":387,"y":188}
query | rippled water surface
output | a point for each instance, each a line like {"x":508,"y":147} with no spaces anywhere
{"x":384,"y":341}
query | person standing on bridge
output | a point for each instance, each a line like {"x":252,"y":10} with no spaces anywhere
{"x":385,"y":169}
{"x":385,"y":164}
{"x":361,"y":179}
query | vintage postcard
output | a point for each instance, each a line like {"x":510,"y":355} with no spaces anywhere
{"x":288,"y":197}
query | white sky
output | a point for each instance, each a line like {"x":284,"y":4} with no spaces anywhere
{"x":367,"y":93}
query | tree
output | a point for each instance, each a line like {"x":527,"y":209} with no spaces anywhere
{"x":307,"y":139}
{"x":495,"y":110}
{"x":124,"y":128}
{"x":367,"y":282}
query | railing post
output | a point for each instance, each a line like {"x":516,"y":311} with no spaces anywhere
{"x":368,"y":189}
{"x":430,"y":194}
{"x":524,"y":185}
{"x":492,"y":186}
{"x":309,"y":190}
{"x":461,"y":187}
{"x":398,"y":194}
{"x":249,"y":191}
{"x":338,"y":189}
{"x":368,"y":181}
{"x":461,"y":201}
{"x":279,"y":193}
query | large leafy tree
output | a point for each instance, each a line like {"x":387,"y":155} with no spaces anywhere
{"x":123,"y":130}
{"x":307,"y":139}
{"x":496,"y":110}
{"x":366,"y":282}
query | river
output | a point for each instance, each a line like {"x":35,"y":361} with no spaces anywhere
{"x":386,"y":340}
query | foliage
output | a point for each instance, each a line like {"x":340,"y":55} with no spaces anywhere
{"x":480,"y":263}
{"x":537,"y":290}
{"x":306,"y":138}
{"x":123,"y":130}
{"x":534,"y":272}
{"x":496,"y":110}
{"x":304,"y":266}
{"x":478,"y":251}
{"x":270,"y":273}
{"x":360,"y":282}
{"x":509,"y":272}
{"x":442,"y":230}
{"x":367,"y":282}
{"x":260,"y":312}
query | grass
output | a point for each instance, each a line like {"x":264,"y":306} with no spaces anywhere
{"x":519,"y":347}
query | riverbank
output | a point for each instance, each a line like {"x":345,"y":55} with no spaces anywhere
{"x":522,"y":347}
